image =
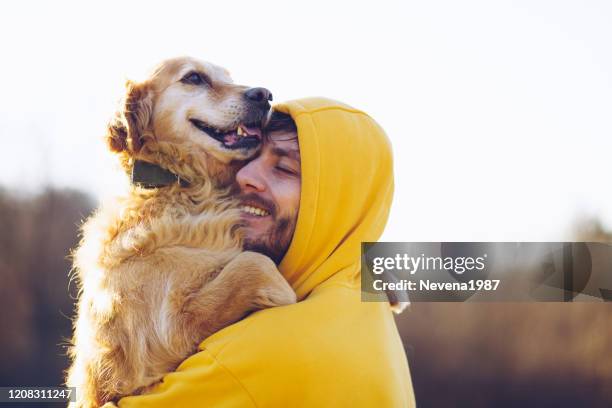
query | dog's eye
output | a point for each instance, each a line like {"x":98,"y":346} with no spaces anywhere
{"x":195,"y":78}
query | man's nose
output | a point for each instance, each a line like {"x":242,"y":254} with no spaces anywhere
{"x":260,"y":96}
{"x":249,"y":178}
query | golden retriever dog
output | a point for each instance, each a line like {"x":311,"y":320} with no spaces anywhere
{"x":162,"y":268}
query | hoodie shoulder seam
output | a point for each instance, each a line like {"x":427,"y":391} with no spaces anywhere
{"x":233,"y":377}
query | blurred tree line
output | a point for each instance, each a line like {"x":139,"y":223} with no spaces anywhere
{"x":36,"y":298}
{"x":466,"y":354}
{"x":512,"y":354}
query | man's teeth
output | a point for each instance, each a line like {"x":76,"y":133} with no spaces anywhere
{"x":255,"y":211}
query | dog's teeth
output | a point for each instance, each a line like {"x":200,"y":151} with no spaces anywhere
{"x":239,"y":131}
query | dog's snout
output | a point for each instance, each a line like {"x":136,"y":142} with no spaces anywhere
{"x":258,"y":95}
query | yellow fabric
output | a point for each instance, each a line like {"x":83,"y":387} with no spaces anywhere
{"x":330,"y":349}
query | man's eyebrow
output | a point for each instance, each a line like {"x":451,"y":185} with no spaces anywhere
{"x":291,"y":153}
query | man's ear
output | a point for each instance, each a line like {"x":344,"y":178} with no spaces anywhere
{"x":127,"y":128}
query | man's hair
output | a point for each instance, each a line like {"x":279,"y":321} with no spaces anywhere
{"x":280,"y":121}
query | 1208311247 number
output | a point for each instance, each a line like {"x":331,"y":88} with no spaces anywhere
{"x":33,"y":394}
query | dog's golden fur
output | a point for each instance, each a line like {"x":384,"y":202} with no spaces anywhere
{"x":161,"y":269}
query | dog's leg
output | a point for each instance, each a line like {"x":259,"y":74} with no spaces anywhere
{"x":249,"y":282}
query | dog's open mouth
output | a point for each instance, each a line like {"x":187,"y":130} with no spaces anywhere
{"x":245,"y":136}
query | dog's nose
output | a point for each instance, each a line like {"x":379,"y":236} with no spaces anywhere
{"x":258,"y":95}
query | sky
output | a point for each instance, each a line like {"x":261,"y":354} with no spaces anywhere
{"x":499,"y":112}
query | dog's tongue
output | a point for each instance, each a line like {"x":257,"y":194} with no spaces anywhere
{"x":232,"y":137}
{"x":253,"y":131}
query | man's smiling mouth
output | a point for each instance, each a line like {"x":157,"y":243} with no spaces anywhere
{"x":259,"y":212}
{"x":245,"y":136}
{"x":256,"y":207}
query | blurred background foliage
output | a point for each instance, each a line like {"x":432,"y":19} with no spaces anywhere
{"x":36,"y":297}
{"x":465,"y":354}
{"x":512,"y":354}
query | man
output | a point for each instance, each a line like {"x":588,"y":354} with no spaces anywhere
{"x":309,"y":202}
{"x":270,"y":187}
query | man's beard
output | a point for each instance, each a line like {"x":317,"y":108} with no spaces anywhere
{"x":274,"y":242}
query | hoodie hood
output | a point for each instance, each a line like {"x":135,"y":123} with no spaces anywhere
{"x":347,"y":189}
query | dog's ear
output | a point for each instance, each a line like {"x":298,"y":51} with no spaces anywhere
{"x":126,"y":130}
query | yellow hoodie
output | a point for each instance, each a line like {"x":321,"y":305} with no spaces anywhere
{"x":330,"y":349}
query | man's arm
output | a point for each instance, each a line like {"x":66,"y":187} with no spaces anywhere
{"x":200,"y":381}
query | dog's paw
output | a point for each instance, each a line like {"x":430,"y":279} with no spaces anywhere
{"x":278,"y":293}
{"x":271,"y":288}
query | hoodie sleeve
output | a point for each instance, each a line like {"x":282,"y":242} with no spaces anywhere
{"x":330,"y":350}
{"x":201,"y":381}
